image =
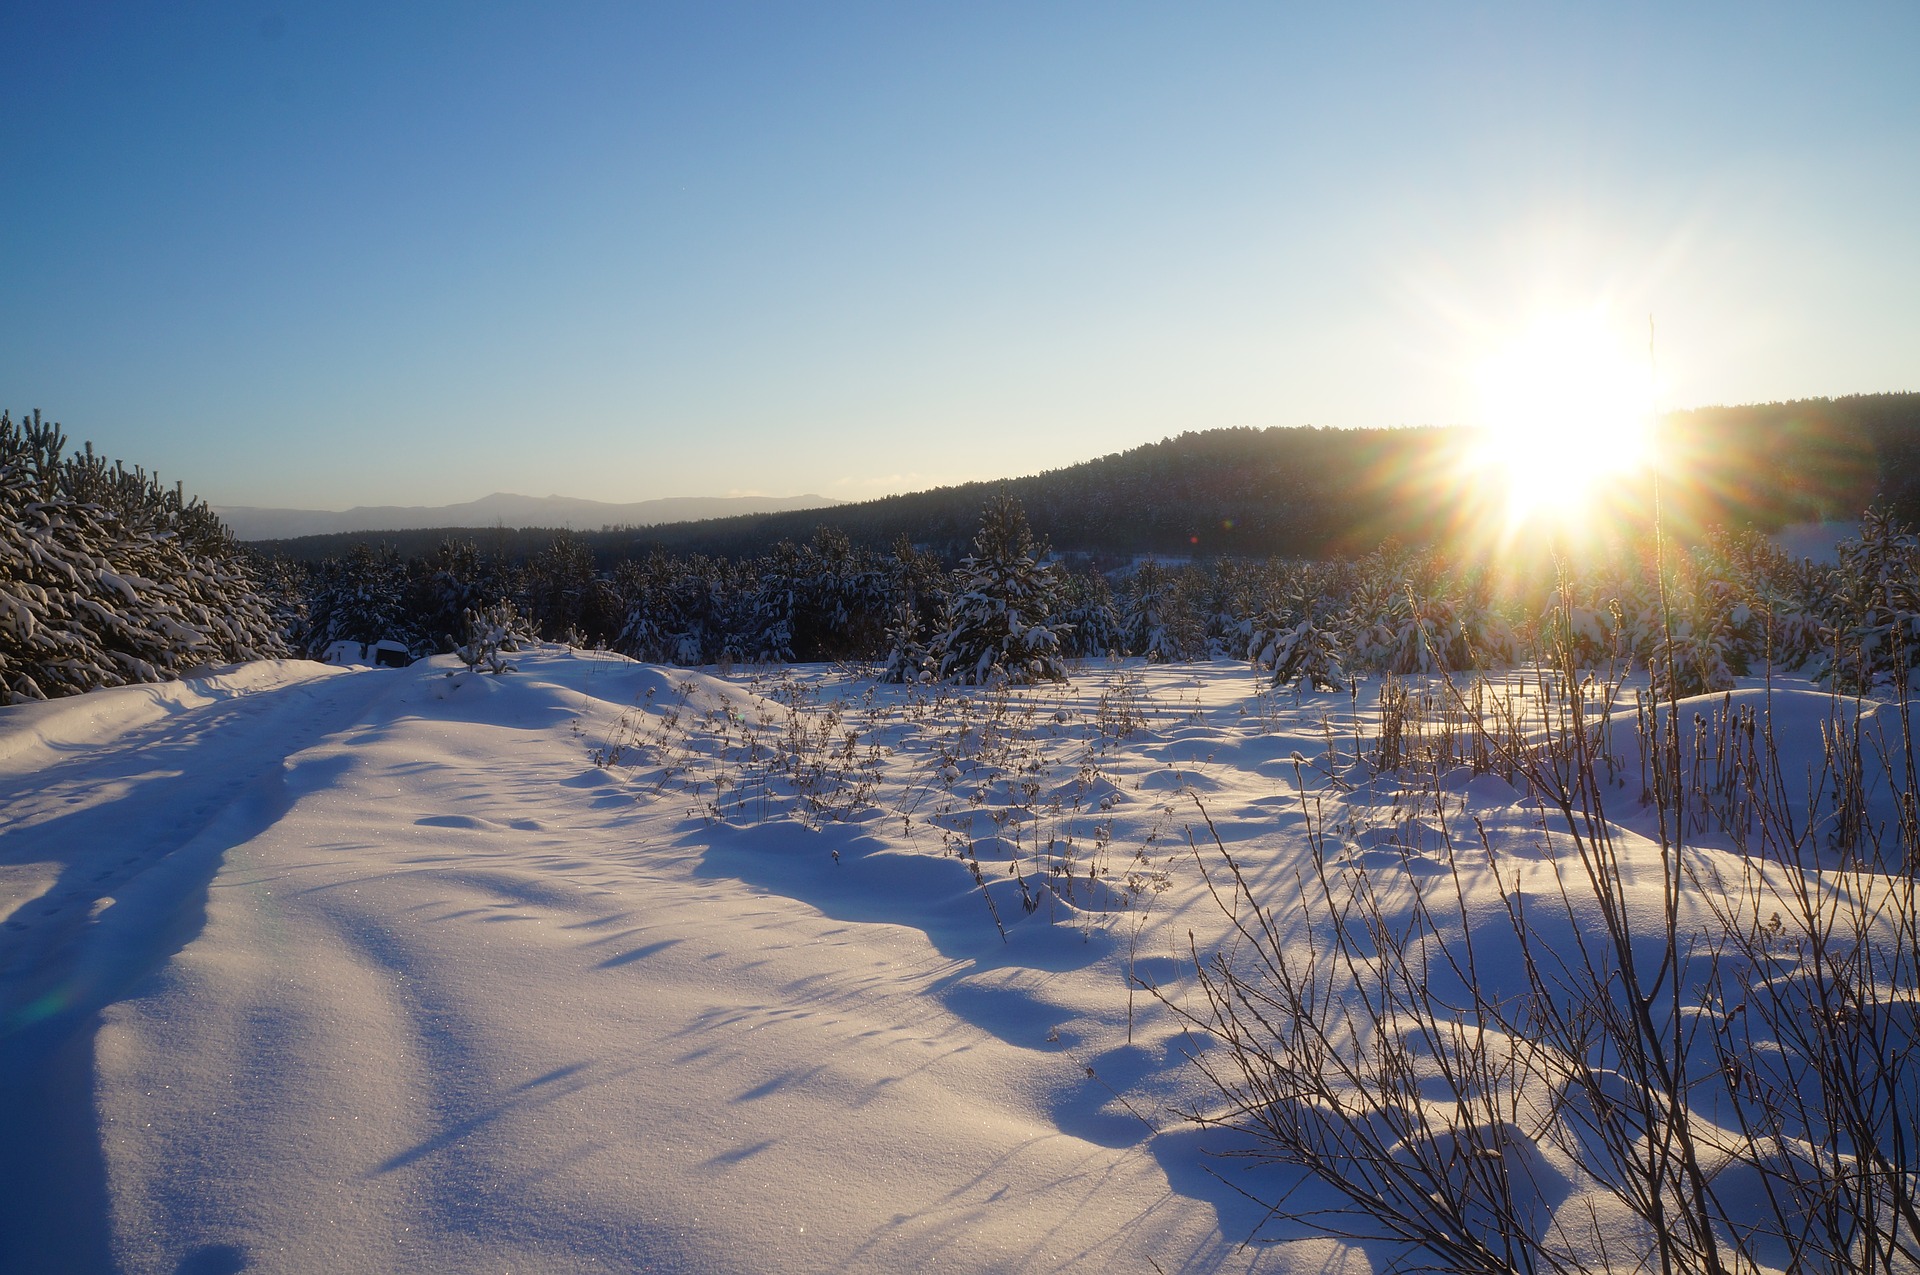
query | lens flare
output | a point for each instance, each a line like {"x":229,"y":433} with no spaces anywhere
{"x":1566,"y":410}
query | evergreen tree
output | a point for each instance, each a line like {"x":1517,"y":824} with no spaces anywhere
{"x":1291,"y":639}
{"x":1311,"y":654}
{"x":917,"y":592}
{"x":1090,"y":621}
{"x":1224,"y":598}
{"x":642,"y":589}
{"x":1410,"y":615}
{"x":849,"y":603}
{"x":997,"y":617}
{"x":1281,"y":612}
{"x":1690,"y":664}
{"x":284,"y":585}
{"x":1873,"y":638}
{"x":359,"y":598}
{"x":107,"y":577}
{"x":1156,"y":621}
{"x":682,"y":610}
{"x":908,"y":659}
{"x":454,"y":581}
{"x":783,"y":586}
{"x":492,"y":632}
{"x":563,"y":595}
{"x":47,"y":548}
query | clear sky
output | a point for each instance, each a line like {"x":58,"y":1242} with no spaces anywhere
{"x":325,"y":255}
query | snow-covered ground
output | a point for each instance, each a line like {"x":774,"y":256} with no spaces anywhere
{"x":598,"y":965}
{"x":1817,"y":541}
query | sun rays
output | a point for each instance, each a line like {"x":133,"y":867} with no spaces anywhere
{"x":1566,"y":412}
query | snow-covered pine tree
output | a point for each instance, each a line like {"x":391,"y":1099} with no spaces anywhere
{"x":916,"y":589}
{"x":1224,"y":598}
{"x":642,"y":589}
{"x":1089,"y":616}
{"x":454,"y":580}
{"x":1710,"y":603}
{"x":358,"y":598}
{"x":1690,"y":663}
{"x":492,"y":632}
{"x":284,"y":587}
{"x":824,"y":600}
{"x":147,"y":601}
{"x":1797,"y":601}
{"x":107,"y":577}
{"x":908,"y":659}
{"x":690,"y":611}
{"x":1265,"y":633}
{"x":1375,"y":614}
{"x":1409,"y":615}
{"x":47,"y":548}
{"x":1758,"y":605}
{"x":1873,"y":638}
{"x":1311,"y":654}
{"x":783,"y":584}
{"x":1755,"y":587}
{"x":1608,"y":615}
{"x":713,"y":599}
{"x":1154,"y":620}
{"x":846,"y":604}
{"x":561,"y":591}
{"x":1485,"y":636}
{"x":997,"y":627}
{"x":1292,"y":639}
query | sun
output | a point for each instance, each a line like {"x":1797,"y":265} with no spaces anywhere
{"x":1566,"y":412}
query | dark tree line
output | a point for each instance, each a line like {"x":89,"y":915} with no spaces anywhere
{"x":1728,"y":606}
{"x":821,"y":600}
{"x":107,"y":577}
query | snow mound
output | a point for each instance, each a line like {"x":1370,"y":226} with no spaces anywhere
{"x":602,"y":964}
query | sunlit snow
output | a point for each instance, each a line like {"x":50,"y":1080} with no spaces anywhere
{"x":599,"y":965}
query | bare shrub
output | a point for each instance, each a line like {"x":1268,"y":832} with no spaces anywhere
{"x":1460,"y":1034}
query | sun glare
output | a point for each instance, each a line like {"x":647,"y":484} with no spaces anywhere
{"x":1567,"y":411}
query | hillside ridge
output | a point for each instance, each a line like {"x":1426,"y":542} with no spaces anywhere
{"x":1307,"y":490}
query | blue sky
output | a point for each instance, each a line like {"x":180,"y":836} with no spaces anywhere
{"x":334,"y":255}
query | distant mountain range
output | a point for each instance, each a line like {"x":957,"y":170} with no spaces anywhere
{"x":503,"y":509}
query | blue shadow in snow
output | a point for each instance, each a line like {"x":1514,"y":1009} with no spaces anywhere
{"x":850,"y":876}
{"x":637,"y":954}
{"x":64,"y":958}
{"x":213,"y":1259}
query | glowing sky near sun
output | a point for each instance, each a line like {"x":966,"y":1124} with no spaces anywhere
{"x":323,"y":256}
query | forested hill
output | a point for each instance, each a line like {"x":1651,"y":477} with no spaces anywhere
{"x":1221,"y":491}
{"x":1307,"y":491}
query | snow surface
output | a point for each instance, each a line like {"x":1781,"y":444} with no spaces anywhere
{"x":1816,"y":541}
{"x":574,"y":968}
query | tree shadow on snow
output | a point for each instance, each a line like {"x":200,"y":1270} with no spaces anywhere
{"x":213,"y":1259}
{"x":854,"y":877}
{"x":132,"y":888}
{"x":851,"y":876}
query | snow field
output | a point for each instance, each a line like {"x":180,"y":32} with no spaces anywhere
{"x":600,"y":965}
